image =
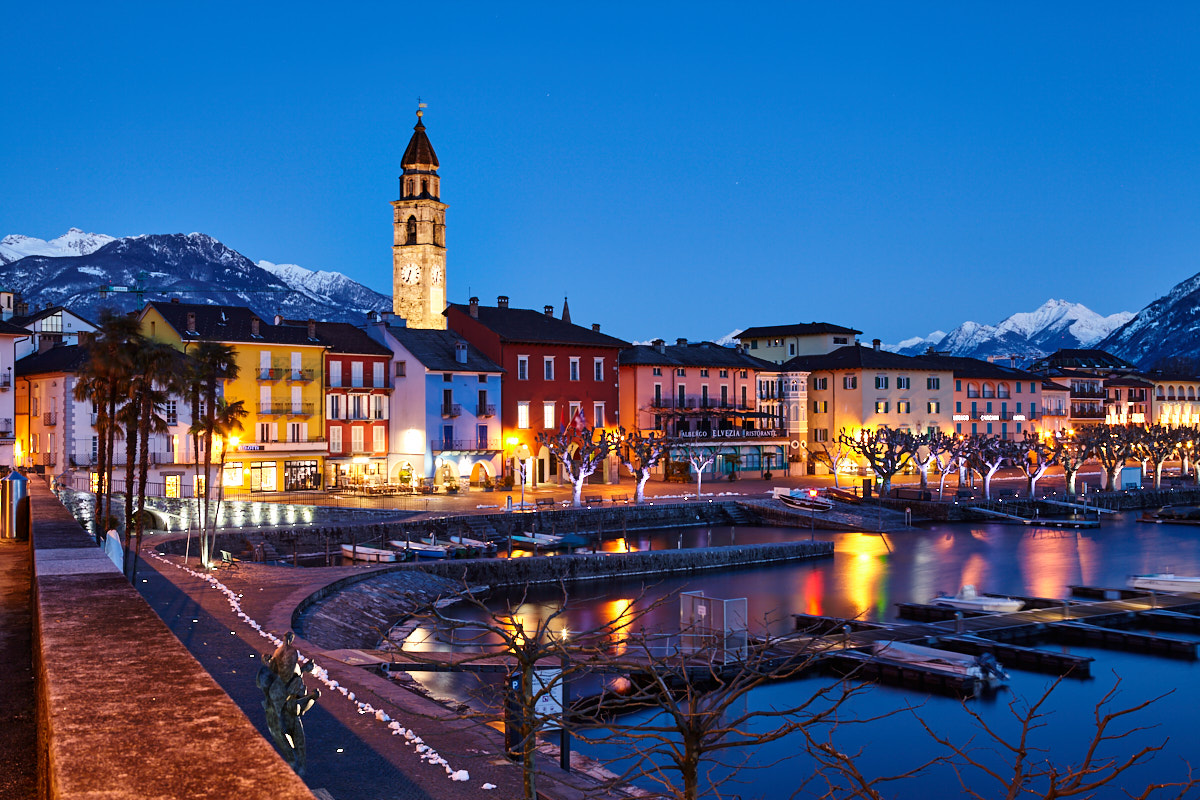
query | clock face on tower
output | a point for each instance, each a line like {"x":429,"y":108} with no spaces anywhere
{"x":435,"y":276}
{"x":410,"y":273}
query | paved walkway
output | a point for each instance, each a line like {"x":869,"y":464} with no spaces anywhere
{"x":18,"y":723}
{"x":351,"y":755}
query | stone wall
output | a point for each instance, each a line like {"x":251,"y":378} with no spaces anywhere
{"x":124,"y":710}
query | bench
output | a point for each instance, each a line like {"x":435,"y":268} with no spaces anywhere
{"x":544,"y":502}
{"x":619,"y":498}
{"x":596,"y":499}
{"x":228,"y":560}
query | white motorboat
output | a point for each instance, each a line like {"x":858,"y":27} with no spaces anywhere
{"x":537,"y":541}
{"x":476,"y":544}
{"x":1166,"y":582}
{"x":982,"y":667}
{"x":802,"y":499}
{"x":970,"y":600}
{"x":368,"y":554}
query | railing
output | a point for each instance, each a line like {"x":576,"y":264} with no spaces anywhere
{"x":362,"y":383}
{"x":1099,"y":394}
{"x":693,"y":404}
{"x":485,"y":410}
{"x":1089,"y":413}
{"x":301,"y":375}
{"x":1053,"y":412}
{"x":438,"y":445}
{"x":120,"y":458}
{"x":5,"y":382}
{"x":44,"y":459}
{"x":50,"y":418}
{"x":6,"y":429}
{"x":283,"y":440}
{"x":357,"y":416}
{"x":285,"y":409}
{"x":270,"y":373}
{"x":452,"y":410}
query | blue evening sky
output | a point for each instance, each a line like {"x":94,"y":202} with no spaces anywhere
{"x":675,"y":169}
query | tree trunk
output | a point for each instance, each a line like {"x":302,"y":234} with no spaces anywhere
{"x":131,"y":437}
{"x":108,"y":464}
{"x":577,"y":492}
{"x":639,"y":496}
{"x":924,"y":470}
{"x":1158,"y":468}
{"x":1069,"y":474}
{"x":143,"y":471}
{"x":885,"y":484}
{"x":987,"y":482}
{"x":101,"y":455}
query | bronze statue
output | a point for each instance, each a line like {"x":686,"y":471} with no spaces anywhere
{"x":286,"y":699}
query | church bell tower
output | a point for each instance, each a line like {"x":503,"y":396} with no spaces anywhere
{"x":419,"y":244}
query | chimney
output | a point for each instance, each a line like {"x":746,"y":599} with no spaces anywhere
{"x":312,"y":329}
{"x":659,"y":345}
{"x":385,"y":317}
{"x":739,"y":347}
{"x":175,"y":300}
{"x":874,"y":344}
{"x":502,"y":301}
{"x":45,"y":342}
{"x":681,"y":342}
{"x":549,"y":310}
{"x":596,"y":327}
{"x":279,"y":319}
{"x":460,"y":352}
{"x":191,"y":322}
{"x":474,"y":308}
{"x":254,"y":323}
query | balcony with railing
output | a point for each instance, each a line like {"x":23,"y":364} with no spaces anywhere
{"x":1087,"y":412}
{"x":485,"y":410}
{"x":451,"y":410}
{"x":50,"y":418}
{"x":5,"y":382}
{"x":1088,"y":390}
{"x":696,"y":403}
{"x":271,"y":373}
{"x":7,"y":430}
{"x":459,"y":445}
{"x":285,"y":409}
{"x":45,"y":459}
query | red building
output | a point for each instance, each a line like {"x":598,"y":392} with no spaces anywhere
{"x":357,"y":388}
{"x":552,"y":371}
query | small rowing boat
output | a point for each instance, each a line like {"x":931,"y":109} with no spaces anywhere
{"x":982,"y":667}
{"x":420,"y":549}
{"x":537,"y":541}
{"x":367,"y":554}
{"x":803,"y":499}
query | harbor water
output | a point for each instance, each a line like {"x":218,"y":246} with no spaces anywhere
{"x":865,"y":578}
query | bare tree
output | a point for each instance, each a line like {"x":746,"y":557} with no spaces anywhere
{"x":923,"y":450}
{"x":1012,"y":766}
{"x":957,"y":454}
{"x":989,"y":454}
{"x":701,"y":458}
{"x":1034,"y":456}
{"x":541,"y":655}
{"x":1029,"y":771}
{"x":701,"y":732}
{"x":832,"y":457}
{"x":883,"y":448}
{"x":580,"y":451}
{"x":1071,"y":452}
{"x":1112,"y":446}
{"x":1155,"y":444}
{"x":640,"y":452}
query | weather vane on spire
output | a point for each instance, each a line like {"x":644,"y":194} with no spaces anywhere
{"x":420,"y":106}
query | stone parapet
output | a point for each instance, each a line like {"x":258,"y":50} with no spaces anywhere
{"x":124,"y":710}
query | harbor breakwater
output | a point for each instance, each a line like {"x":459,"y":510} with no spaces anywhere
{"x":356,"y":611}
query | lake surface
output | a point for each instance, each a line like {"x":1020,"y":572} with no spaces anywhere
{"x":866,"y":577}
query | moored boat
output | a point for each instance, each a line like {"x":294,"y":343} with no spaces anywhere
{"x":1166,"y":582}
{"x":420,"y":549}
{"x":538,"y":541}
{"x":488,"y":548}
{"x":367,"y":554}
{"x":970,"y":600}
{"x":983,"y":667}
{"x":802,"y":499}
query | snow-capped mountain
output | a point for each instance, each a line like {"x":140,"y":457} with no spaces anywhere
{"x":72,"y":243}
{"x":194,"y":267}
{"x":1056,"y":324}
{"x":1167,"y":329}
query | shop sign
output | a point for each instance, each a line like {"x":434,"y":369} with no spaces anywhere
{"x":733,"y":433}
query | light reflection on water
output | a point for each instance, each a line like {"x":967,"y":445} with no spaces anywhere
{"x":869,"y":574}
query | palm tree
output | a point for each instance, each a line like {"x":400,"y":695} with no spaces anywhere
{"x":91,"y":386}
{"x":215,"y":363}
{"x":156,"y":367}
{"x":111,"y":361}
{"x":227,"y":422}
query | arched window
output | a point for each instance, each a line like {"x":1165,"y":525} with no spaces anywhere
{"x":1170,"y":392}
{"x":1191,"y":393}
{"x":424,"y":186}
{"x":412,"y":231}
{"x":1002,"y":390}
{"x":1158,"y":392}
{"x":988,"y":390}
{"x":972,"y":390}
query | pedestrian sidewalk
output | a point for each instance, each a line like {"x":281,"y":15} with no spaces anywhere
{"x":18,"y":703}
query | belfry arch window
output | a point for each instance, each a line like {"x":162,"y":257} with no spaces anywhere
{"x":412,"y":231}
{"x":424,"y":186}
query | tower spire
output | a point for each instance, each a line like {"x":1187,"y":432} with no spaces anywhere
{"x":566,"y":317}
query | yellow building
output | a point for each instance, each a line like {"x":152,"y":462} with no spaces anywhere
{"x":281,"y":383}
